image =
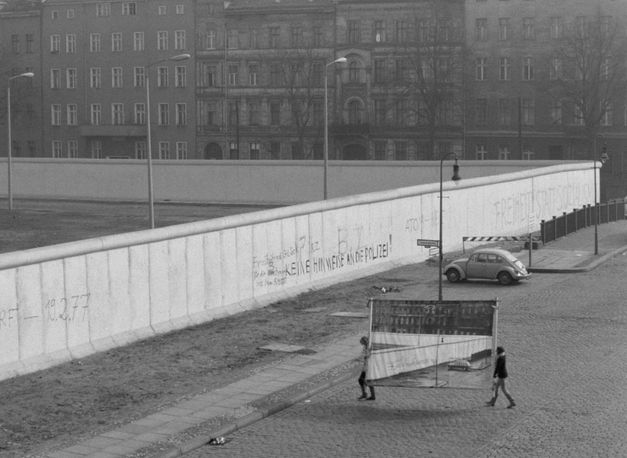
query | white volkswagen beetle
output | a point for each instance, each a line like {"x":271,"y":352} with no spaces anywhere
{"x":487,"y":263}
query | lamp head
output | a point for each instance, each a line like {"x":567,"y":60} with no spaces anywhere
{"x":180,"y":57}
{"x":456,"y":176}
{"x":340,"y":60}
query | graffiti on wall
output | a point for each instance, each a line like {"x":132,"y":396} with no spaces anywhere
{"x":307,"y":257}
{"x":69,"y":309}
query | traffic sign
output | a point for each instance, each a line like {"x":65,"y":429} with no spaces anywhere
{"x":428,"y":243}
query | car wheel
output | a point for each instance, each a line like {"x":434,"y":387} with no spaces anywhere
{"x":452,"y":275}
{"x":504,"y":278}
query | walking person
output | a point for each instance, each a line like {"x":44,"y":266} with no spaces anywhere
{"x":365,"y":352}
{"x":500,"y":374}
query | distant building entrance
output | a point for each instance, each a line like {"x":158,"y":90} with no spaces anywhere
{"x":354,"y":153}
{"x":213,"y":151}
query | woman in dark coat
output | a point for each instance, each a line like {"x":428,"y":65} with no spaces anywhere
{"x":500,"y":374}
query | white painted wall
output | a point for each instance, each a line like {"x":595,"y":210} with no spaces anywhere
{"x":66,"y":301}
{"x":266,"y":182}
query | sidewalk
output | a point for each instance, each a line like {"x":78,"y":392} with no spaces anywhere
{"x":190,"y":424}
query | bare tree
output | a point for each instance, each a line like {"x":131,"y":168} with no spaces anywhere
{"x":588,"y":71}
{"x":300,"y":72}
{"x":428,"y":74}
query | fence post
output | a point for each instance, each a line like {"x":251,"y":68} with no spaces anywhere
{"x":554,"y":228}
{"x":542,"y":232}
{"x":576,"y":213}
{"x":565,"y":215}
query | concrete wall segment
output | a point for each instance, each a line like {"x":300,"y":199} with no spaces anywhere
{"x":87,"y":296}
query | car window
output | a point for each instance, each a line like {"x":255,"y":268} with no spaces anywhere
{"x":482,"y":257}
{"x":492,"y":258}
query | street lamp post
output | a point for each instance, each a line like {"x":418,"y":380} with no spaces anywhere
{"x":603,"y":158}
{"x":10,"y":145}
{"x":455,"y":177}
{"x":151,"y":203}
{"x":339,"y":60}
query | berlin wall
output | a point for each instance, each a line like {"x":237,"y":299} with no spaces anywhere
{"x":70,"y":300}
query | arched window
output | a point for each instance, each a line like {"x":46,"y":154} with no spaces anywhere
{"x":354,"y":112}
{"x":353,"y":72}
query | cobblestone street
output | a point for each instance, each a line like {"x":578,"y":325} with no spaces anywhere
{"x":567,"y":358}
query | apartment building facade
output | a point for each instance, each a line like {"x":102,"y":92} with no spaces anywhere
{"x":20,"y":54}
{"x":98,"y":59}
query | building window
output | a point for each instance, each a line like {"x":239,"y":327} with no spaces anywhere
{"x":253,"y":113}
{"x":55,"y":43}
{"x":209,"y":40}
{"x":180,"y":76}
{"x":557,"y":27}
{"x":379,"y":31}
{"x":253,"y":70}
{"x":207,"y":75}
{"x":528,"y":112}
{"x":480,"y":153}
{"x":555,"y":72}
{"x":529,"y":32}
{"x":116,"y":77}
{"x":275,"y":75}
{"x":354,"y":35}
{"x":179,"y":39}
{"x":379,"y":112}
{"x":273,"y":37}
{"x":400,"y":151}
{"x":139,"y":77}
{"x":318,"y":113}
{"x":505,"y":66}
{"x":72,"y":148}
{"x":70,"y":78}
{"x":379,"y":71}
{"x":103,"y":9}
{"x":481,"y":112}
{"x":162,"y":77}
{"x":117,"y":114}
{"x":296,"y":37}
{"x":164,"y":114}
{"x":607,"y":118}
{"x":233,"y":150}
{"x":70,"y":13}
{"x":180,"y":9}
{"x":317,"y":36}
{"x":70,"y":43}
{"x":129,"y":9}
{"x":402,"y":112}
{"x":164,"y":150}
{"x":95,"y":114}
{"x":504,"y":29}
{"x":481,"y":66}
{"x":94,"y":42}
{"x":181,"y":114}
{"x":353,"y":72}
{"x":578,"y":118}
{"x":162,"y":10}
{"x":116,"y":42}
{"x":140,"y":150}
{"x":275,"y":150}
{"x":254,"y":150}
{"x":527,"y":154}
{"x":527,"y":69}
{"x":55,"y":114}
{"x":316,"y":74}
{"x":379,"y":150}
{"x":95,"y":147}
{"x":275,"y":113}
{"x":15,"y":43}
{"x":162,"y":41}
{"x":181,"y":150}
{"x":481,"y":29}
{"x":556,"y":113}
{"x":233,"y":75}
{"x":504,"y":153}
{"x":504,"y":113}
{"x":57,"y":148}
{"x":138,"y":41}
{"x":402,"y":31}
{"x":95,"y":77}
{"x":55,"y":78}
{"x":54,"y":15}
{"x":139,"y":116}
{"x":29,"y":43}
{"x":354,"y":112}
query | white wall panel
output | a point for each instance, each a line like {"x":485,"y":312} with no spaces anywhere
{"x":9,"y":316}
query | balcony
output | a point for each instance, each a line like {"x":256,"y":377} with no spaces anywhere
{"x":108,"y":130}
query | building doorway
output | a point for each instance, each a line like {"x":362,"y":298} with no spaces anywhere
{"x":354,"y":152}
{"x":213,"y":151}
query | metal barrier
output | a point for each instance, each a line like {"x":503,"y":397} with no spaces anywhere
{"x":567,"y":223}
